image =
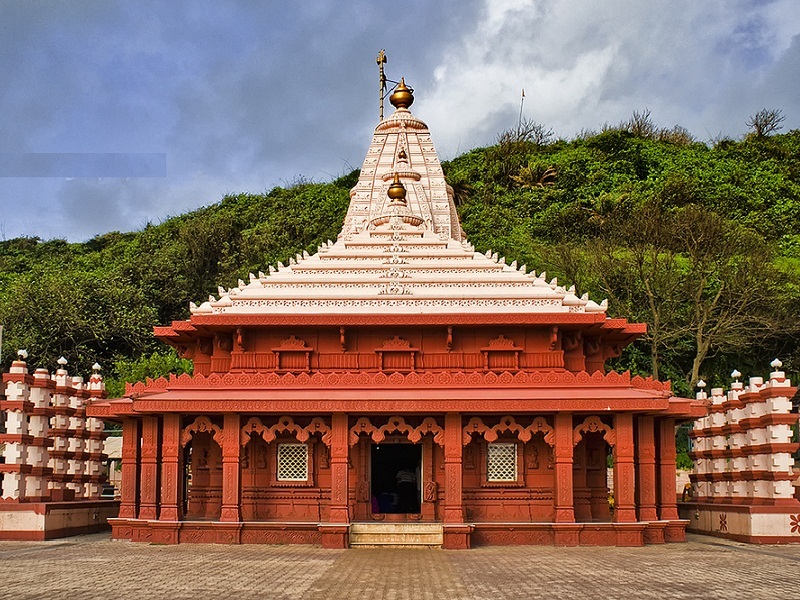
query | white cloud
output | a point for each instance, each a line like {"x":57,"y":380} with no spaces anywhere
{"x":253,"y":95}
{"x":583,"y":64}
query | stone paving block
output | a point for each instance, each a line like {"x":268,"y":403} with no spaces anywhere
{"x":94,"y":567}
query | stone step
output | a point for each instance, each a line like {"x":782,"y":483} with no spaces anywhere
{"x":396,"y":534}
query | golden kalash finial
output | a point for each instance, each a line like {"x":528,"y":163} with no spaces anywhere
{"x":403,"y":96}
{"x":397,"y":191}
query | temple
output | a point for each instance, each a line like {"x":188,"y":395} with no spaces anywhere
{"x":399,"y":387}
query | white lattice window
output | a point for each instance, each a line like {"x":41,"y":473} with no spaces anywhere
{"x":292,"y":462}
{"x":501,"y":462}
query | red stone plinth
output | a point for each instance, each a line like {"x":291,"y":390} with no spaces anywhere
{"x":335,"y":536}
{"x":457,"y":537}
{"x":654,"y":533}
{"x":566,"y":534}
{"x":675,"y":531}
{"x":165,"y":532}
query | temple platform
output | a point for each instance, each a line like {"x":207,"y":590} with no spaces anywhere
{"x":450,"y":536}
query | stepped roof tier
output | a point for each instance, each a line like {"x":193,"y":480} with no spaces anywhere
{"x":401,"y":254}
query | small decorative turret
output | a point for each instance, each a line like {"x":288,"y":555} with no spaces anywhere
{"x":397,"y":191}
{"x":402,"y":97}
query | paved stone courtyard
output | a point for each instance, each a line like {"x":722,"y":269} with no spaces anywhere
{"x":89,"y":567}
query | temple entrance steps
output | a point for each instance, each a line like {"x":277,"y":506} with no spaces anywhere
{"x":396,"y":534}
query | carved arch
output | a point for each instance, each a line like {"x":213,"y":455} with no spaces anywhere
{"x":593,"y":424}
{"x":397,"y":424}
{"x":540,"y":425}
{"x":201,"y":424}
{"x":508,"y":424}
{"x":285,"y":424}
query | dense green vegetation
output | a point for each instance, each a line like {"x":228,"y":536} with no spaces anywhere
{"x":701,"y":241}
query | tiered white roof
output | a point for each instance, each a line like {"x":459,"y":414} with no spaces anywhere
{"x":401,"y":249}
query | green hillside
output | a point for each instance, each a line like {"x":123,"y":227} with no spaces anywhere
{"x":700,"y":241}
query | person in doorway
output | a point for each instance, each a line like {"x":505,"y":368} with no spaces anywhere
{"x":407,"y":490}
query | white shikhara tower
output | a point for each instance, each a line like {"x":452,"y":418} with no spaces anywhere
{"x":401,"y":249}
{"x":402,"y":146}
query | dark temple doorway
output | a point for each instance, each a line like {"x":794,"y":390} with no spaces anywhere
{"x":395,"y":478}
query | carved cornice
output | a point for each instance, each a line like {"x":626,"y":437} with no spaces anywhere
{"x":446,"y":318}
{"x":309,"y":403}
{"x":366,"y":379}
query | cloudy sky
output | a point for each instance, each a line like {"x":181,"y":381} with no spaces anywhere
{"x":176,"y":104}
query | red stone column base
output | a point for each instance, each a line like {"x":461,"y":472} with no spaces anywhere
{"x":168,"y":514}
{"x":230,"y":514}
{"x":335,"y":537}
{"x":654,"y":532}
{"x":147,"y":512}
{"x":127,"y":511}
{"x":675,"y":531}
{"x":164,"y":532}
{"x":457,"y":537}
{"x":566,"y":534}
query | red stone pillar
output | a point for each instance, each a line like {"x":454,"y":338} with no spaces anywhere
{"x":130,"y":468}
{"x":624,"y":472}
{"x":566,"y":532}
{"x":667,"y":501}
{"x":456,"y":532}
{"x":646,"y":454}
{"x":675,"y":530}
{"x":231,"y":451}
{"x":148,"y":485}
{"x":429,"y":496}
{"x":334,"y":532}
{"x":170,"y":468}
{"x":563,"y":496}
{"x":453,"y":491}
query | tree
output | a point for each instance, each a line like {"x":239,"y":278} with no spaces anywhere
{"x":729,"y":281}
{"x":641,"y":273}
{"x":766,"y":121}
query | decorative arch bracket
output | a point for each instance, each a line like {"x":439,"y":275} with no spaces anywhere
{"x":508,"y":424}
{"x":593,"y":424}
{"x":397,"y":424}
{"x":285,"y":424}
{"x":200,"y":425}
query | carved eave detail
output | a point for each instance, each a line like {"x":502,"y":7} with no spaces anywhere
{"x":593,"y":424}
{"x":201,"y":424}
{"x":396,"y":424}
{"x":285,"y":425}
{"x":508,"y":424}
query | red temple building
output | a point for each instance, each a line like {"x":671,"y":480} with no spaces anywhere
{"x":399,"y":387}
